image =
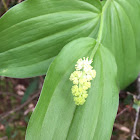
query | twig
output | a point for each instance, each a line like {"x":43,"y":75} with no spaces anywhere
{"x":135,"y":124}
{"x":137,"y":111}
{"x":129,"y":93}
{"x":10,"y":94}
{"x":137,"y":137}
{"x":5,"y":6}
{"x":122,"y":128}
{"x":124,"y":110}
{"x":2,"y":116}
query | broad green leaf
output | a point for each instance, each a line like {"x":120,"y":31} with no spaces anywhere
{"x":33,"y":32}
{"x":119,"y":32}
{"x":57,"y":117}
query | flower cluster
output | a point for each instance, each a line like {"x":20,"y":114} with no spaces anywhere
{"x":81,"y":79}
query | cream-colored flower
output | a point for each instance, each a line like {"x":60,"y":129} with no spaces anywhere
{"x":81,"y":79}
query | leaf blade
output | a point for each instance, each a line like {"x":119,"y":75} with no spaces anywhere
{"x":119,"y":30}
{"x":57,"y":111}
{"x":41,"y":35}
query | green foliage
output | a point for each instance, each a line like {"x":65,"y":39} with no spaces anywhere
{"x":120,"y":34}
{"x":56,"y":108}
{"x":30,"y":90}
{"x":29,"y":44}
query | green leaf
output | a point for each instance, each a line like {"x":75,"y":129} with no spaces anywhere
{"x":30,"y":89}
{"x":33,"y":33}
{"x":57,"y":117}
{"x":119,"y":32}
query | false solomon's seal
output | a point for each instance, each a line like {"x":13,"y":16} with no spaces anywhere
{"x":81,"y":79}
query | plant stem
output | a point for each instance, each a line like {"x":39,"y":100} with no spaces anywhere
{"x":102,"y":20}
{"x":138,"y":111}
{"x":135,"y":124}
